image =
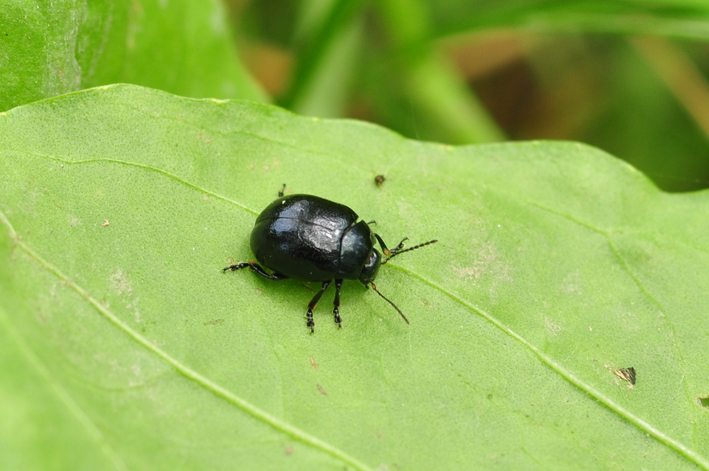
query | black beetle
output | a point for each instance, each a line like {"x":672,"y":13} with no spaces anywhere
{"x":312,"y":239}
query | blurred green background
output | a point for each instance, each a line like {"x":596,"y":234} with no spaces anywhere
{"x":626,"y":76}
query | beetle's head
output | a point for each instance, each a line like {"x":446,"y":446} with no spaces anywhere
{"x":369,"y":272}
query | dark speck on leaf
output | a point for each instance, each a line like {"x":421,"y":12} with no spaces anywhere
{"x":626,"y":374}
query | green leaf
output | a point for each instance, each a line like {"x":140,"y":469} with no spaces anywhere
{"x":641,"y":105}
{"x":183,"y":46}
{"x":124,"y":346}
{"x":417,"y":91}
{"x":330,"y":39}
{"x":676,"y":18}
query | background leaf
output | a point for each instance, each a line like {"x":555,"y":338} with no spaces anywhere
{"x":181,"y":46}
{"x":125,"y":347}
{"x":451,"y":71}
{"x":679,"y":18}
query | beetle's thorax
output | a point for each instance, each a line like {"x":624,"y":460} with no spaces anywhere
{"x":356,"y":246}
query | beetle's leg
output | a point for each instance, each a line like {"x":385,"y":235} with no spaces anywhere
{"x":280,"y":193}
{"x":400,"y":246}
{"x":258,"y":269}
{"x":386,"y":250}
{"x":313,"y":302}
{"x":336,"y":311}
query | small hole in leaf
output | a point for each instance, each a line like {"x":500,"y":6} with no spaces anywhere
{"x":703,"y":401}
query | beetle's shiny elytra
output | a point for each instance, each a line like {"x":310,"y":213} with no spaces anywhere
{"x":313,"y":239}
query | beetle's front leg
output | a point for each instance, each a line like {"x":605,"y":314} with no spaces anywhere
{"x":313,"y":302}
{"x":400,"y":246}
{"x":386,"y":250}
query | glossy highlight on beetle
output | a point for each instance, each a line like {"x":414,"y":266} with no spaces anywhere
{"x":313,"y":239}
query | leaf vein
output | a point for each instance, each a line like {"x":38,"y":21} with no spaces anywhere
{"x":626,"y":266}
{"x":571,"y":378}
{"x":83,"y":418}
{"x":189,"y":373}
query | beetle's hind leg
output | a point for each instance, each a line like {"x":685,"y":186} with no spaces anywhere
{"x":313,"y":302}
{"x":255,"y":267}
{"x":336,"y":311}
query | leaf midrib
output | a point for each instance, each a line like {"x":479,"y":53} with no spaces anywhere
{"x":570,"y":377}
{"x":187,"y":372}
{"x":64,"y":396}
{"x":310,"y":440}
{"x":626,"y":266}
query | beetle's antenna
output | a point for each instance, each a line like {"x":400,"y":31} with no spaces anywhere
{"x":385,"y":298}
{"x":396,"y":252}
{"x":282,"y":192}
